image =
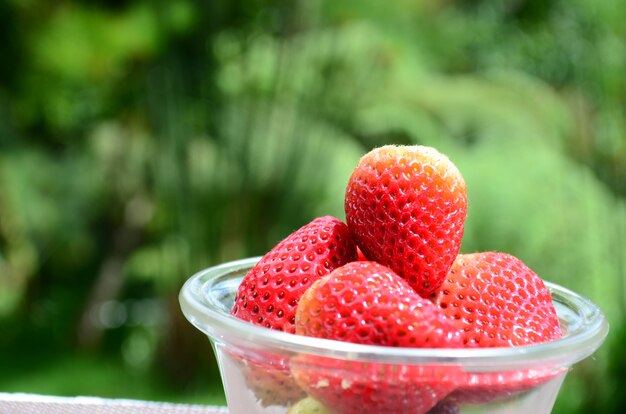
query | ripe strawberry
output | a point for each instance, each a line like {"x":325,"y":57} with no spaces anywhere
{"x":367,"y":303}
{"x":270,"y":291}
{"x":406,"y":206}
{"x":486,"y":387}
{"x":357,"y":387}
{"x":497,"y":301}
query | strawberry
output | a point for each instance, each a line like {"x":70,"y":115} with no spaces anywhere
{"x":269,"y":293}
{"x":367,"y":303}
{"x":406,"y":206}
{"x":486,"y":387}
{"x":358,"y":387}
{"x":497,"y":301}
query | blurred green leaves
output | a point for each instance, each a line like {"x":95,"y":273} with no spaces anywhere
{"x":78,"y":54}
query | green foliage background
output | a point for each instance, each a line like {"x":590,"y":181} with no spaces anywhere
{"x":141,"y":141}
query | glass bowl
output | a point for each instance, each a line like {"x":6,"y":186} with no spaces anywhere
{"x":267,"y":371}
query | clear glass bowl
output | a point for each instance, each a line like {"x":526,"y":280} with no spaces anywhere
{"x":267,"y":371}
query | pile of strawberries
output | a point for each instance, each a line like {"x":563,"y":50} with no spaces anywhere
{"x":393,"y":276}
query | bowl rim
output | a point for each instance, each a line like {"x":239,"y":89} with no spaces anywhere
{"x":201,"y":309}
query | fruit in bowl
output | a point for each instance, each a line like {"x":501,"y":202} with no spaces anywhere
{"x":381,"y":314}
{"x":367,"y":303}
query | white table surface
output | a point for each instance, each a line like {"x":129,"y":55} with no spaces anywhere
{"x":11,"y":403}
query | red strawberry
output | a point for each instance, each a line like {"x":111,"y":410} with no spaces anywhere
{"x":367,"y":303}
{"x":357,"y":387}
{"x":497,"y":301}
{"x":486,"y":387}
{"x":269,"y":293}
{"x":406,"y":206}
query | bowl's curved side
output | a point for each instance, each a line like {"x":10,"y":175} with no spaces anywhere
{"x":206,"y":299}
